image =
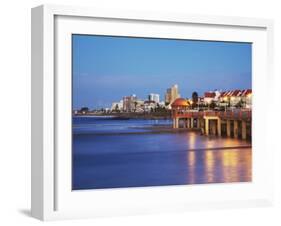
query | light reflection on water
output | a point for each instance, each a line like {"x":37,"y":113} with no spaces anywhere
{"x":111,"y":161}
{"x":191,"y":161}
{"x":209,"y":169}
{"x":229,"y":165}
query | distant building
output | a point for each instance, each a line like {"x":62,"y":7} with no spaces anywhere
{"x":149,"y":105}
{"x":168,"y":96}
{"x":130,"y":103}
{"x":139,"y":106}
{"x":117,"y":106}
{"x":172,"y":94}
{"x":154,"y":97}
{"x":161,"y":104}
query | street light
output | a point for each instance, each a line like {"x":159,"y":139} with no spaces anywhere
{"x":191,"y":104}
{"x":225,"y":104}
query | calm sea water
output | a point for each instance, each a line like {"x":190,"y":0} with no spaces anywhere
{"x":109,"y":153}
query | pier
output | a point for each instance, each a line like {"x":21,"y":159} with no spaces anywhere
{"x":236,"y":123}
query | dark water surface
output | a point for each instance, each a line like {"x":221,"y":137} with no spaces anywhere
{"x":110,"y":153}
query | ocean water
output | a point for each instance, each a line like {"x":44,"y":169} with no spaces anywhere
{"x":111,"y":153}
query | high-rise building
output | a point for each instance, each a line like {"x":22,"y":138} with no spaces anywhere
{"x":154,"y":97}
{"x":172,"y":94}
{"x":129,"y":103}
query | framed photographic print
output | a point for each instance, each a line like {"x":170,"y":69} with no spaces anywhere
{"x":141,"y":112}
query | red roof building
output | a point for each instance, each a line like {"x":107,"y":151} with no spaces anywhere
{"x":236,"y":93}
{"x":209,"y":94}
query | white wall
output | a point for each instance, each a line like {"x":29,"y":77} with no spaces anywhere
{"x":15,"y":111}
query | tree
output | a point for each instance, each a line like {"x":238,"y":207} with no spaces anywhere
{"x":135,"y":104}
{"x":84,"y":109}
{"x":116,"y":108}
{"x":240,"y":104}
{"x":194,"y":99}
{"x":212,"y":104}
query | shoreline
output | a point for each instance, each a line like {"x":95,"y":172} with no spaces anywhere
{"x":167,"y":131}
{"x":156,"y":129}
{"x":150,"y":129}
{"x":127,"y":116}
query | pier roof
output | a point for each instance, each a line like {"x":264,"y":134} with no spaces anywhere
{"x":180,"y":102}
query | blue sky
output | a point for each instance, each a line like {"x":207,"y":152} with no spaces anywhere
{"x":107,"y":68}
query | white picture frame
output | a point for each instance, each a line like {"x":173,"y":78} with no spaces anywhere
{"x":52,"y":197}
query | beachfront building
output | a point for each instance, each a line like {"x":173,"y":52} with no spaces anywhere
{"x":232,"y":98}
{"x":212,"y":96}
{"x":139,"y":106}
{"x":129,"y":103}
{"x":201,"y":101}
{"x":149,"y":105}
{"x":161,"y":104}
{"x":117,"y":106}
{"x":154,"y":97}
{"x":237,"y":98}
{"x":172,"y":94}
{"x":209,"y":97}
{"x":248,"y":99}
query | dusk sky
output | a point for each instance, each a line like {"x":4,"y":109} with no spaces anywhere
{"x":107,"y":68}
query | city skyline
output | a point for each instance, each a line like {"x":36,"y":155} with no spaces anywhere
{"x":107,"y":68}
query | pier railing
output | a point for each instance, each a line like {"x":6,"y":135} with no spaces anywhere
{"x":239,"y":114}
